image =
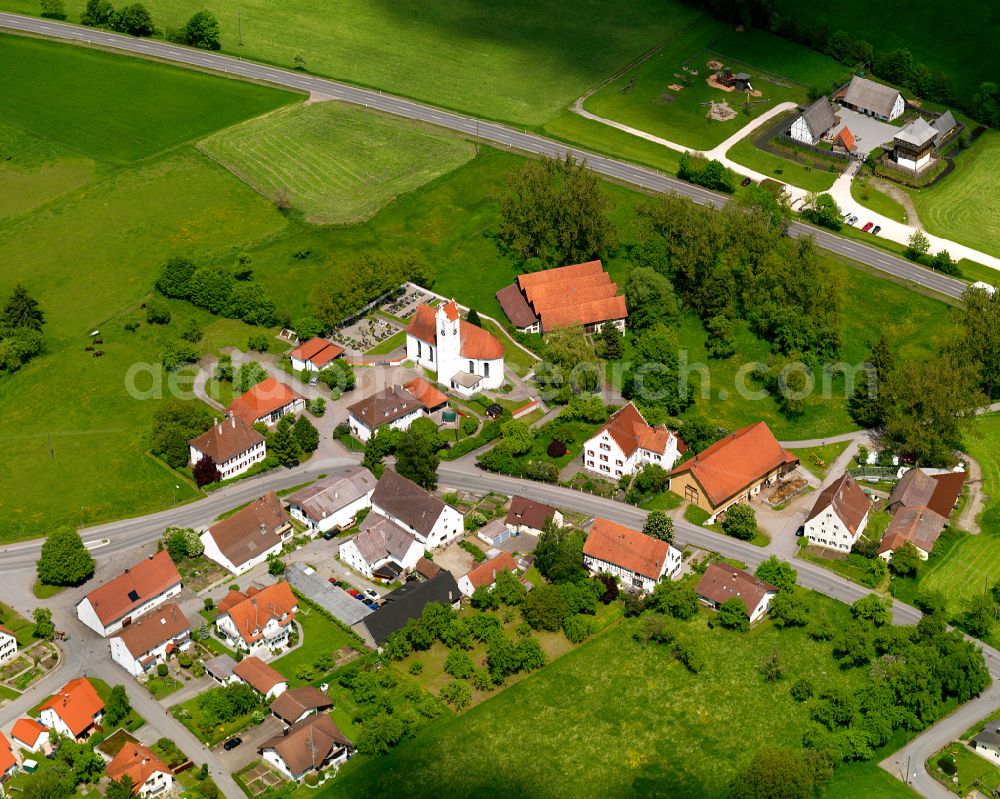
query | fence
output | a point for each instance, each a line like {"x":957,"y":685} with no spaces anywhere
{"x":786,"y":138}
{"x":876,"y":472}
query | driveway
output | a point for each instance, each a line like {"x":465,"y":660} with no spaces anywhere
{"x":868,"y":133}
{"x":246,"y":753}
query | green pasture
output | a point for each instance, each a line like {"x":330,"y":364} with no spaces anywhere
{"x":875,"y":200}
{"x":808,"y":172}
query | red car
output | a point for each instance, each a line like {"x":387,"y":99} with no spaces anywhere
{"x":868,"y":226}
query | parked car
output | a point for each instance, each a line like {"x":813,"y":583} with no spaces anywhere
{"x":746,"y":181}
{"x":232,"y":743}
{"x":372,"y":595}
{"x":852,"y":220}
{"x":868,"y":226}
{"x":876,"y":229}
{"x":329,"y":535}
{"x":353,"y":592}
{"x":372,"y":605}
{"x":314,"y":381}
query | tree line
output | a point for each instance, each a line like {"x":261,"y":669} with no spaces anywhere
{"x":21,"y":322}
{"x":201,"y":30}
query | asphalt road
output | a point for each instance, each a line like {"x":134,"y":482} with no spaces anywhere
{"x":501,"y":135}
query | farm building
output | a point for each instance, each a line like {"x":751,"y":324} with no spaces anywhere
{"x":396,"y":407}
{"x":913,"y":146}
{"x":839,"y":516}
{"x":638,"y":560}
{"x":333,"y":502}
{"x":814,"y":123}
{"x":250,"y":536}
{"x":873,"y":99}
{"x":315,"y":355}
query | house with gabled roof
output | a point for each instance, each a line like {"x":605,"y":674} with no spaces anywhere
{"x":250,"y":536}
{"x":308,"y":746}
{"x":232,"y":444}
{"x":255,"y":620}
{"x":8,"y":644}
{"x":722,"y":582}
{"x":315,"y":355}
{"x":31,"y":735}
{"x":840,"y":515}
{"x":149,"y":775}
{"x":151,"y":639}
{"x":266,"y":403}
{"x":873,"y":99}
{"x":814,"y":122}
{"x":485,"y":574}
{"x":913,"y":147}
{"x":381,"y":549}
{"x":528,"y":516}
{"x":264,"y":679}
{"x":432,"y":522}
{"x":845,"y":140}
{"x":138,"y":590}
{"x":74,"y":710}
{"x":627,"y":442}
{"x":8,"y":762}
{"x":636,"y":559}
{"x":732,"y":470}
{"x":916,"y":524}
{"x":333,"y":502}
{"x":465,"y":357}
{"x":296,"y":704}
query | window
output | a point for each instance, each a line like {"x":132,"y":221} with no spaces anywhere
{"x":605,"y":468}
{"x":472,"y":367}
{"x":430,"y":354}
{"x":604,"y":457}
{"x":419,"y":353}
{"x":486,"y":370}
{"x":605,"y":446}
{"x":619,"y":463}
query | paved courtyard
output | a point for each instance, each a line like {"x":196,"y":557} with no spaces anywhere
{"x":868,"y":133}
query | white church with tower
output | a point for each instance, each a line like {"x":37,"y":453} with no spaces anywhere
{"x":465,"y":357}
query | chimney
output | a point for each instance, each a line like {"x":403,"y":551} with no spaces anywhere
{"x":263,"y":528}
{"x":232,"y":420}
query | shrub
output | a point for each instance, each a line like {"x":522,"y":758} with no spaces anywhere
{"x":53,"y":9}
{"x":577,"y":628}
{"x":458,"y":664}
{"x":416,"y":667}
{"x":457,"y":693}
{"x":555,"y":449}
{"x":161,"y":670}
{"x":542,"y":472}
{"x":157,"y":312}
{"x":801,"y":690}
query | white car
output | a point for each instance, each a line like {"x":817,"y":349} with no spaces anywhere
{"x":372,"y":595}
{"x":852,"y":220}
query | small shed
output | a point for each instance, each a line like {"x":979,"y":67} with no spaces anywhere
{"x":494,"y":532}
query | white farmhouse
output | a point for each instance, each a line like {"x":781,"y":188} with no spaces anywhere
{"x":839,"y":516}
{"x":381,"y":549}
{"x":250,"y":536}
{"x":141,"y":588}
{"x":464,"y":356}
{"x":814,"y":123}
{"x":873,"y":99}
{"x":74,"y":710}
{"x":636,"y":559}
{"x":626,"y":443}
{"x":333,"y":502}
{"x":8,"y":644}
{"x":232,"y":444}
{"x":150,"y":640}
{"x":420,"y":513}
{"x":257,"y":621}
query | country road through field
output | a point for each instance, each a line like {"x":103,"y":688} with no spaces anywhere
{"x":622,"y":171}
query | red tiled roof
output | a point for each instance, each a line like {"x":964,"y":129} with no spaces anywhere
{"x":917,"y":524}
{"x":631,"y":431}
{"x":474,"y":341}
{"x":234,"y":597}
{"x":253,"y":613}
{"x":740,"y":459}
{"x":622,"y":546}
{"x":846,"y":138}
{"x":257,"y":674}
{"x":560,"y":273}
{"x":580,"y":294}
{"x":486,"y":573}
{"x":307,"y":743}
{"x":135,"y":761}
{"x":145,"y":580}
{"x":848,"y":500}
{"x":7,"y":759}
{"x":264,"y":398}
{"x":76,"y":703}
{"x":27,"y":731}
{"x":317,"y":350}
{"x":427,"y":395}
{"x":587,"y":313}
{"x":516,"y":307}
{"x":550,"y":296}
{"x":226,"y":439}
{"x":423,"y":324}
{"x":721,"y":582}
{"x":451,"y":310}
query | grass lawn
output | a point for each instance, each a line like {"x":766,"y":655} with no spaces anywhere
{"x":972,"y":770}
{"x":320,"y":636}
{"x":514,"y":357}
{"x":666,"y":500}
{"x":98,"y":104}
{"x":681,"y":116}
{"x":334,"y":162}
{"x":696,"y":515}
{"x":189,"y":714}
{"x":161,"y":687}
{"x":853,"y":780}
{"x":519,"y":61}
{"x":811,"y":175}
{"x":131,"y":722}
{"x":780,"y":57}
{"x":819,"y":459}
{"x":881,"y":203}
{"x":43,"y":591}
{"x":597,"y":718}
{"x":965,"y":206}
{"x":23,"y":629}
{"x":394,"y":342}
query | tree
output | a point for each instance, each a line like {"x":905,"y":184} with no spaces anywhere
{"x":655,"y":379}
{"x":905,"y":560}
{"x":559,"y":553}
{"x":986,"y":104}
{"x":119,"y":789}
{"x":458,"y":664}
{"x":873,"y":608}
{"x":417,"y":458}
{"x":307,"y":327}
{"x":379,"y":734}
{"x":509,"y":590}
{"x":44,"y":626}
{"x":554,"y":212}
{"x":778,"y":573}
{"x":250,"y":374}
{"x":283,"y":445}
{"x":134,"y":20}
{"x":175,"y":422}
{"x":205,"y":471}
{"x":117,"y":707}
{"x":457,"y":693}
{"x":659,"y":526}
{"x":771,"y":667}
{"x":869,"y":404}
{"x":21,"y":311}
{"x":376,"y":448}
{"x":202,"y":30}
{"x":610,"y":342}
{"x":676,"y":599}
{"x":191,"y":331}
{"x":650,"y":298}
{"x":740,"y":522}
{"x":177,"y":353}
{"x":97,"y":13}
{"x":732,"y":615}
{"x":306,"y":434}
{"x":175,"y":274}
{"x":53,"y":9}
{"x":275,"y":566}
{"x":788,"y":610}
{"x":473,"y":318}
{"x":569,"y":366}
{"x":259,"y":342}
{"x":64,"y":560}
{"x":720,"y":343}
{"x":917,"y":246}
{"x":210,"y":287}
{"x":980,"y":616}
{"x":175,"y":541}
{"x":698,"y":433}
{"x":782,"y":774}
{"x":822,"y":210}
{"x":545,"y":608}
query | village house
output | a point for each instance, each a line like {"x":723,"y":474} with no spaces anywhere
{"x":921,"y":504}
{"x":266,"y":403}
{"x":311,"y":745}
{"x":732,"y":470}
{"x":250,"y":536}
{"x":637,"y":560}
{"x":262,"y":678}
{"x":150,"y":775}
{"x":74,"y":710}
{"x":333,"y":502}
{"x":151,"y":639}
{"x":144,"y":586}
{"x":408,"y":602}
{"x":567,"y":296}
{"x":315,"y":355}
{"x":463,"y":356}
{"x":232,"y":444}
{"x":986,"y":742}
{"x":913,"y":146}
{"x":381,"y":549}
{"x":873,"y":99}
{"x":839,"y":516}
{"x":722,"y":582}
{"x":485,"y":574}
{"x":8,"y":762}
{"x":626,"y":442}
{"x":918,"y":525}
{"x":31,"y":735}
{"x":396,"y":407}
{"x":528,"y":516}
{"x":8,"y":644}
{"x":255,"y":620}
{"x":814,"y":123}
{"x":419,"y":512}
{"x":945,"y":125}
{"x":296,"y":704}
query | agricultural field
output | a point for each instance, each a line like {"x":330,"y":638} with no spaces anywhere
{"x":334,"y":162}
{"x":521,"y":61}
{"x":597,"y":718}
{"x":965,"y":205}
